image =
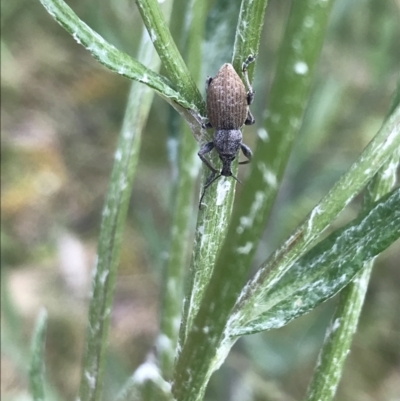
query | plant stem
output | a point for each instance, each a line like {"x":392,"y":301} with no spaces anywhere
{"x":109,"y":56}
{"x":332,"y":357}
{"x":382,"y":147}
{"x":188,"y":167}
{"x":326,"y":268}
{"x":344,"y":322}
{"x":202,"y":351}
{"x":111,"y":230}
{"x":168,"y":51}
{"x":248,"y":32}
{"x":37,"y":365}
{"x":288,"y":96}
{"x":217,"y":206}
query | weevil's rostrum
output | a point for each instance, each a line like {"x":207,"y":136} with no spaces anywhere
{"x":227,"y":111}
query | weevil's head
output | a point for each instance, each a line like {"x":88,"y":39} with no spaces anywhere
{"x":227,"y":160}
{"x":227,"y":144}
{"x":226,"y":170}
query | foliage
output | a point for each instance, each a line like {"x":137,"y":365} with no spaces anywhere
{"x":220,"y":303}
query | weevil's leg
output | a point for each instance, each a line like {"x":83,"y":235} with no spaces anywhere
{"x":208,"y":82}
{"x":250,"y":58}
{"x":199,"y":119}
{"x":249,"y":119}
{"x":250,"y":91}
{"x":250,"y":96}
{"x":247,"y":152}
{"x":206,"y":148}
{"x":211,"y":178}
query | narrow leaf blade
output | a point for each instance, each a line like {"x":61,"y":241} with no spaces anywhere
{"x":329,"y":266}
{"x":36,"y":367}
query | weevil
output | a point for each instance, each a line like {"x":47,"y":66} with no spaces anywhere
{"x":227,"y":111}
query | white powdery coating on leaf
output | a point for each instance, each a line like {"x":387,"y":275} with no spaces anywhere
{"x":49,"y":8}
{"x":103,"y":277}
{"x":315,"y":212}
{"x":232,"y":322}
{"x":300,"y":68}
{"x":335,"y":325}
{"x":176,"y":322}
{"x":118,"y":155}
{"x":75,"y":36}
{"x":100,"y":39}
{"x":223,"y":188}
{"x":194,"y":166}
{"x":273,"y":322}
{"x":308,"y":22}
{"x":263,"y":134}
{"x":204,"y":241}
{"x":153,"y":35}
{"x":390,"y":171}
{"x":296,"y":44}
{"x":95,"y":328}
{"x":393,"y":135}
{"x":247,"y":221}
{"x":147,"y":371}
{"x":245,"y":249}
{"x":164,"y":343}
{"x":298,"y":303}
{"x":363,"y":280}
{"x":90,"y":379}
{"x":222,"y":353}
{"x":268,"y":175}
{"x":331,"y":329}
{"x":123,"y":184}
{"x":200,"y":229}
{"x":128,"y":133}
{"x":106,"y":211}
{"x":294,"y":122}
{"x":171,"y":285}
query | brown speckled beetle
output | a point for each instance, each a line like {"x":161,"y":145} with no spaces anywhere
{"x":227,"y":111}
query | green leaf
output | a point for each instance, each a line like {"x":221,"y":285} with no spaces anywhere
{"x":167,"y":50}
{"x":385,"y":143}
{"x":339,"y":334}
{"x":36,"y":368}
{"x":329,"y":266}
{"x":146,"y":384}
{"x":248,"y":32}
{"x":111,"y":229}
{"x":111,"y":57}
{"x":188,"y":168}
{"x":219,"y":283}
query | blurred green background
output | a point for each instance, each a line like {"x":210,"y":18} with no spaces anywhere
{"x":61,"y":113}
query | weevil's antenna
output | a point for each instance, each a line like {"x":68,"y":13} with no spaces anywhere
{"x":206,"y":185}
{"x":237,"y":179}
{"x":210,"y":181}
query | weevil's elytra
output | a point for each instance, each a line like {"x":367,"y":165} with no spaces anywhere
{"x":227,"y":106}
{"x":227,"y":111}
